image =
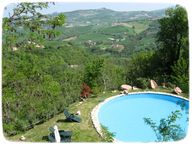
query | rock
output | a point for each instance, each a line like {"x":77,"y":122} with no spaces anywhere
{"x":78,"y":112}
{"x":153,"y":84}
{"x":126,"y":87}
{"x":22,"y":138}
{"x":177,"y":90}
{"x":73,"y":66}
{"x":114,"y":91}
{"x":121,"y":92}
{"x":125,"y":92}
{"x":163,"y":85}
{"x":14,"y":48}
{"x":135,"y":88}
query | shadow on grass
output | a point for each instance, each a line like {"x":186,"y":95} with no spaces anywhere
{"x":45,"y":138}
{"x":63,"y":120}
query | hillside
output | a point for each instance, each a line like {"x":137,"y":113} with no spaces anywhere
{"x":51,"y":63}
{"x":106,"y":16}
{"x":108,"y":32}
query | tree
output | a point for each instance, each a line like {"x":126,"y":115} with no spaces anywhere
{"x":58,"y":20}
{"x":107,"y":135}
{"x":180,"y":74}
{"x":141,"y":65}
{"x":167,"y":130}
{"x":172,"y":38}
{"x":25,"y":15}
{"x":85,"y":91}
{"x":28,"y":22}
{"x":93,"y":73}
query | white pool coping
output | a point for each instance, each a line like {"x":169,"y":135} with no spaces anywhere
{"x":95,"y":111}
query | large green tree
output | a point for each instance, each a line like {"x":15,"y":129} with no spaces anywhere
{"x":93,"y":73}
{"x":172,"y":38}
{"x":27,"y":26}
{"x":27,"y":76}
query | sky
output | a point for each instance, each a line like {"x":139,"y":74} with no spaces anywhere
{"x":65,"y":7}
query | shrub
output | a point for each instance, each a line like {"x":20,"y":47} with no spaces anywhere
{"x":86,"y":91}
{"x":180,"y":75}
{"x":142,"y":82}
{"x":107,"y":136}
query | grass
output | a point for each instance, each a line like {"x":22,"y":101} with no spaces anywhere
{"x":82,"y":132}
{"x":140,"y":26}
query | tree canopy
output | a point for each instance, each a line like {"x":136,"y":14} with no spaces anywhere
{"x":27,"y":22}
{"x":172,"y":37}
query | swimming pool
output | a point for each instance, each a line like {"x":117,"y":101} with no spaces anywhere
{"x":124,"y":115}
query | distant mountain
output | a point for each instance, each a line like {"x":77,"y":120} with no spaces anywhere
{"x":108,"y":32}
{"x":106,"y":16}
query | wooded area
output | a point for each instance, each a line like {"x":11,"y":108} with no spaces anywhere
{"x":42,"y":74}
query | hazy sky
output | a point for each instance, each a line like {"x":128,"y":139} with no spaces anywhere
{"x":63,"y":6}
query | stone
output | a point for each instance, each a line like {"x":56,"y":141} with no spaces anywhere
{"x":177,"y":90}
{"x":78,"y":112}
{"x":135,"y":88}
{"x":153,"y":84}
{"x":163,"y":85}
{"x":121,"y":92}
{"x":114,"y":91}
{"x":14,"y":48}
{"x":126,"y":87}
{"x":125,"y":92}
{"x":22,"y":138}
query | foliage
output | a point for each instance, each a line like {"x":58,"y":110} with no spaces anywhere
{"x":27,"y":22}
{"x":45,"y":72}
{"x":41,"y":75}
{"x":142,"y":82}
{"x":101,"y":39}
{"x":173,"y":37}
{"x":113,"y":75}
{"x":85,"y":91}
{"x":82,"y":132}
{"x":93,"y":72}
{"x":167,"y":130}
{"x":180,"y":74}
{"x":141,"y":66}
{"x":107,"y":135}
{"x":170,"y":59}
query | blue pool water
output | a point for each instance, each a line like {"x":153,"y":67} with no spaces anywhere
{"x":124,"y":115}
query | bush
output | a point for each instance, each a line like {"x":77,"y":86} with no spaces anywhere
{"x":142,"y":83}
{"x":170,"y":85}
{"x":9,"y":128}
{"x":107,"y":135}
{"x":180,"y":74}
{"x":37,"y":85}
{"x":86,"y":91}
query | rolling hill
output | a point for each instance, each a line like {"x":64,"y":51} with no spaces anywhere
{"x":107,"y":16}
{"x":108,"y":32}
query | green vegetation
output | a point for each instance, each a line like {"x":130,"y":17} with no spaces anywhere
{"x":82,"y":132}
{"x":45,"y":63}
{"x":117,"y":39}
{"x":167,"y":130}
{"x":107,"y":136}
{"x":54,"y":77}
{"x":169,"y":62}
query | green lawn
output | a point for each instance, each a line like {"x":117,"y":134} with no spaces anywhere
{"x":82,"y":132}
